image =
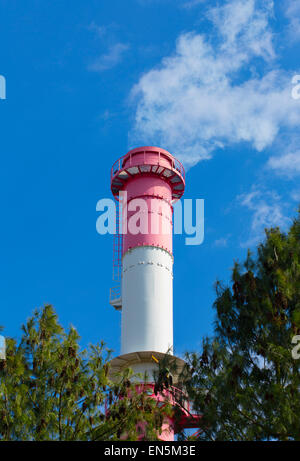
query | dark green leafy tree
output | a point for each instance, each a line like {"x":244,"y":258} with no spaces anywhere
{"x":51,"y":390}
{"x":245,"y":382}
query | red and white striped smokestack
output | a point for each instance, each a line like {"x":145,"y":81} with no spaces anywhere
{"x":151,"y":180}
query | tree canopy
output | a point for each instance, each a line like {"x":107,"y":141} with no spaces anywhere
{"x":50,"y":389}
{"x":245,"y":382}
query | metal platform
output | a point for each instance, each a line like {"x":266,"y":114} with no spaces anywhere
{"x":148,"y":160}
{"x":115,"y":298}
{"x":117,"y":364}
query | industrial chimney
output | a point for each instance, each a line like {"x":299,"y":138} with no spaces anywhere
{"x":145,"y":182}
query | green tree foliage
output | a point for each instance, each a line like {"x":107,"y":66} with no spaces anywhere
{"x":245,"y":381}
{"x":51,"y":390}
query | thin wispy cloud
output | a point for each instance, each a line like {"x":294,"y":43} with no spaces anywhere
{"x":287,"y":164}
{"x":221,"y":242}
{"x":112,"y":58}
{"x":292,"y":12}
{"x":204,"y":97}
{"x":191,"y":3}
{"x":295,"y":195}
{"x":153,"y":2}
{"x":99,"y":30}
{"x":267,"y":210}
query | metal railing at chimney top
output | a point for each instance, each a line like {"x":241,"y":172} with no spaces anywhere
{"x":119,"y":164}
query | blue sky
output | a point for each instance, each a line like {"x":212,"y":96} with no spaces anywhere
{"x":209,"y":81}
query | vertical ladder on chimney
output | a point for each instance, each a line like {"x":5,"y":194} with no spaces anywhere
{"x":115,"y":298}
